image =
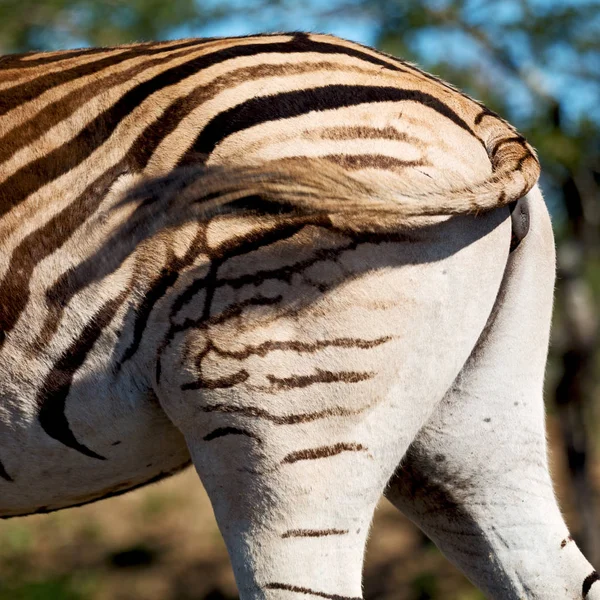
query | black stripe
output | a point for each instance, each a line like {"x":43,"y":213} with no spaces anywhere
{"x":11,"y":98}
{"x":485,"y":112}
{"x":14,"y":288}
{"x":223,"y":431}
{"x":99,"y":265}
{"x":32,"y":129}
{"x":59,"y":161}
{"x":22,"y":183}
{"x":52,"y":165}
{"x":516,"y":139}
{"x":396,"y":64}
{"x":303,"y":43}
{"x":23,"y":61}
{"x":303,"y":590}
{"x":299,"y":102}
{"x":157,"y":290}
{"x":4,"y":474}
{"x":235,"y":247}
{"x":588,"y":582}
{"x":52,"y":397}
{"x":312,"y":533}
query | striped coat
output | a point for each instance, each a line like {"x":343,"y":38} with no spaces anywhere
{"x":249,"y":252}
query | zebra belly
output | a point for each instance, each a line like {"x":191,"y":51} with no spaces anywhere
{"x":133,"y":442}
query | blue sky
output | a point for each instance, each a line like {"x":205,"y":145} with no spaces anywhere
{"x":304,"y":16}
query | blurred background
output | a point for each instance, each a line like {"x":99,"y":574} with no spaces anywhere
{"x":537,"y":63}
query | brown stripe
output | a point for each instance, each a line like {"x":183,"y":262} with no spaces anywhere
{"x":323,"y":452}
{"x":284,"y":105}
{"x":158,"y":289}
{"x":141,"y":225}
{"x":523,"y":159}
{"x":371,"y":161}
{"x":29,"y":60}
{"x":303,"y":590}
{"x":36,"y":246}
{"x":234,"y":311}
{"x":284,"y":230}
{"x":165,"y":123}
{"x":217,"y":384}
{"x":26,"y":60}
{"x":14,"y":289}
{"x":238,"y":247}
{"x":53,"y":164}
{"x":313,"y":532}
{"x":137,"y":158}
{"x":280,"y":232}
{"x":293,"y":419}
{"x":320,"y":376}
{"x":235,"y":247}
{"x":365,"y":132}
{"x":401,"y":65}
{"x":182,"y":107}
{"x":517,"y":139}
{"x":287,"y":272}
{"x":17,"y":187}
{"x":12,"y":97}
{"x":301,"y":347}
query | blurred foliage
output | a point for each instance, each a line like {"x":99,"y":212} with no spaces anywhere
{"x":51,"y":24}
{"x":55,"y":588}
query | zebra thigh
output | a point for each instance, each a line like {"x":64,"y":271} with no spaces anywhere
{"x":298,"y":397}
{"x":476,"y":478}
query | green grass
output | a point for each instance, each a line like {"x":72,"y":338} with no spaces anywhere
{"x":53,"y":588}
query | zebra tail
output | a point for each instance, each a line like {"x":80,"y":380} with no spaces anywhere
{"x":311,"y":186}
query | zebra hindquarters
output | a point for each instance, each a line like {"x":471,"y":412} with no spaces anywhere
{"x":476,"y":477}
{"x":302,"y":370}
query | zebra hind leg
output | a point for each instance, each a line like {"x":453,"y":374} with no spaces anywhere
{"x":297,"y":407}
{"x":476,"y":478}
{"x":295,"y":522}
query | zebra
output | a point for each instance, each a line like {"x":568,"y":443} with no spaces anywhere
{"x":312,"y":270}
